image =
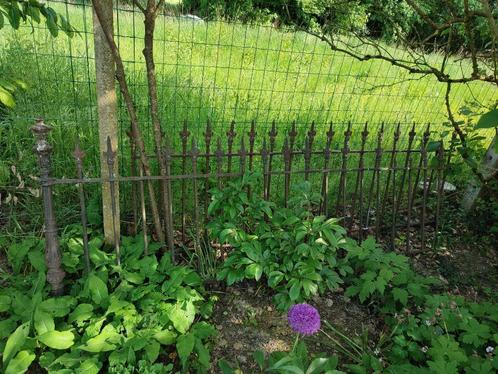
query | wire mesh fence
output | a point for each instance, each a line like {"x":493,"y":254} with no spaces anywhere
{"x":219,"y":71}
{"x":230,"y":74}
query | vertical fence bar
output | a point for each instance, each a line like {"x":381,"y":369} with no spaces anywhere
{"x":272,"y":134}
{"x":395,"y":171}
{"x":411,"y":137}
{"x":184,"y":134}
{"x":390,"y":173}
{"x":264,"y":162}
{"x":286,"y":153}
{"x":219,"y":161}
{"x":410,"y":198}
{"x":252,"y":138}
{"x":142,"y":210}
{"x":242,"y":156}
{"x":134,"y":205}
{"x":55,"y":274}
{"x":358,"y":189}
{"x":375,"y":183}
{"x":78,"y":155}
{"x":110,"y":156}
{"x":207,"y":139}
{"x":325,"y":180}
{"x":194,"y":153}
{"x":292,"y":142}
{"x":424,"y":198}
{"x":230,"y":137}
{"x":169,"y":214}
{"x":440,"y":191}
{"x":308,"y":150}
{"x":341,"y":196}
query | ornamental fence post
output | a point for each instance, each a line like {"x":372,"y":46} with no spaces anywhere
{"x":55,"y":274}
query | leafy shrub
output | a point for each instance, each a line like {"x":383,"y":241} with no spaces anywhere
{"x":292,"y":248}
{"x":384,"y":277}
{"x":112,"y":319}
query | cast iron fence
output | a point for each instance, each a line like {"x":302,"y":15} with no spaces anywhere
{"x":392,"y":192}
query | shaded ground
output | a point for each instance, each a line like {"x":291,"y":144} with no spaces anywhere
{"x":247,"y":321}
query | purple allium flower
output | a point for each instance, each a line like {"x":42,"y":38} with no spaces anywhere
{"x":304,"y":319}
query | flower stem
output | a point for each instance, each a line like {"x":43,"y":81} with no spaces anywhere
{"x":295,"y":344}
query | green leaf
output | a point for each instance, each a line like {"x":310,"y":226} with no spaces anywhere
{"x":152,"y":351}
{"x":57,"y":339}
{"x":185,"y":346}
{"x":259,"y":357}
{"x":104,"y":342}
{"x":6,"y":98}
{"x":488,"y":120}
{"x":165,"y":337}
{"x":58,"y":306}
{"x":82,"y":312}
{"x":317,"y":364}
{"x":182,"y":315}
{"x":44,"y":322}
{"x":20,"y":363}
{"x":89,"y":366}
{"x":4,"y":303}
{"x":98,"y":289}
{"x":15,"y":342}
{"x":295,"y":291}
{"x":401,"y":295}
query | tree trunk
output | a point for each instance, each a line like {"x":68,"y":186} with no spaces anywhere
{"x":108,"y":122}
{"x":489,"y":166}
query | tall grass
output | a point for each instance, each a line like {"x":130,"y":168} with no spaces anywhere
{"x":207,"y":70}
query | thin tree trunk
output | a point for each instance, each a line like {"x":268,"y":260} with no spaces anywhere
{"x":488,"y":168}
{"x":150,"y":14}
{"x":121,"y":78}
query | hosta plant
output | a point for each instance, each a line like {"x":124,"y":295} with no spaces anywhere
{"x":144,"y":316}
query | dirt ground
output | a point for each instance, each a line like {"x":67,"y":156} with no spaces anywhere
{"x":247,"y":321}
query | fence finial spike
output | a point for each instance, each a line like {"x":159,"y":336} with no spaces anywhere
{"x":78,"y":153}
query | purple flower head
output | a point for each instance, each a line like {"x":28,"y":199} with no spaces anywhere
{"x":304,"y":319}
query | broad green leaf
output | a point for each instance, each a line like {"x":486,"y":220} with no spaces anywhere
{"x":57,"y":339}
{"x":44,"y":322}
{"x":15,"y":342}
{"x":203,"y":330}
{"x":317,"y":364}
{"x":105,"y":341}
{"x":89,"y":366}
{"x":6,"y":327}
{"x":58,"y":306}
{"x":81,"y":313}
{"x":182,"y":315}
{"x":295,"y":291}
{"x":488,"y":120}
{"x":185,"y":346}
{"x":165,"y":337}
{"x":20,"y":363}
{"x":98,"y":289}
{"x":152,"y":351}
{"x":4,"y":303}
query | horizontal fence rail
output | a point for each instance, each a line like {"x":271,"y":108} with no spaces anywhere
{"x":376,"y":184}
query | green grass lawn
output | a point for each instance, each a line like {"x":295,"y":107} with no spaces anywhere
{"x":217,"y":71}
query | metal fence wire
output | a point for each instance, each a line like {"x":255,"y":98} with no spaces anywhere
{"x":215,"y":70}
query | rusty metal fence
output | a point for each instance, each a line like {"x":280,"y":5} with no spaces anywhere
{"x":377,"y":184}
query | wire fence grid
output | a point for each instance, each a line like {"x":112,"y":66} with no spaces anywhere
{"x":218,"y":71}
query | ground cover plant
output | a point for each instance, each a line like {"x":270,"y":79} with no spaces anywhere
{"x":146,"y":313}
{"x":151,"y":316}
{"x":427,"y":331}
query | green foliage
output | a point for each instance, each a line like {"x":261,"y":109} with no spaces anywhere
{"x":114,"y":317}
{"x":33,"y":11}
{"x":292,"y":248}
{"x":384,"y":277}
{"x":297,"y":361}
